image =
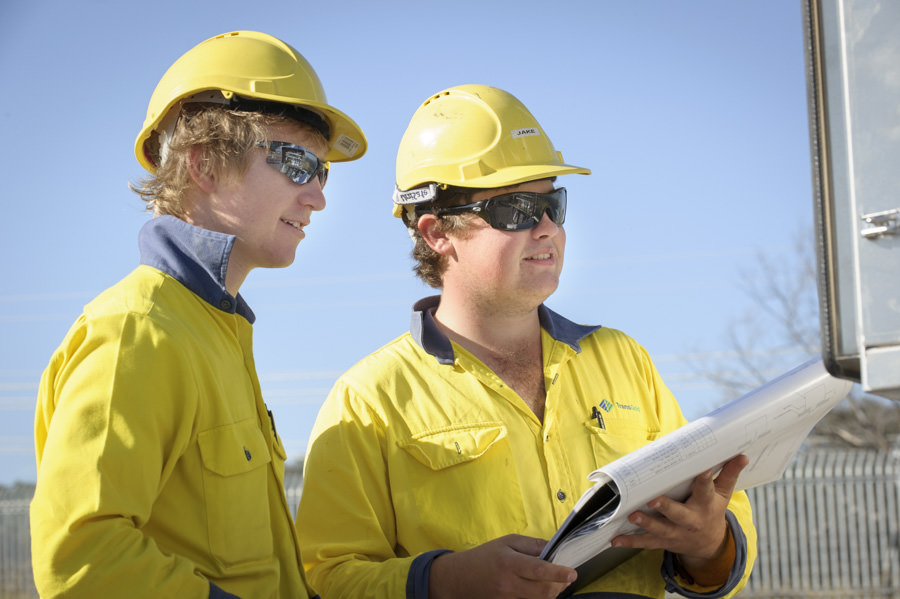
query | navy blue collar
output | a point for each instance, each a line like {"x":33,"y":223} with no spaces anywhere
{"x":195,"y":257}
{"x":426,"y":333}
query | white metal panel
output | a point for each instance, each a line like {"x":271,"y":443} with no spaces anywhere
{"x":854,"y":91}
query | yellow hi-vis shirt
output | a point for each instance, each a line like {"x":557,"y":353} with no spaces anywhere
{"x":159,"y":470}
{"x":420,"y":447}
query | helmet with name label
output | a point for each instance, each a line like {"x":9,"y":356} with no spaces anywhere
{"x":472,"y":136}
{"x":246,"y":70}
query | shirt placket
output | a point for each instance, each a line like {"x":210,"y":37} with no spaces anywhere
{"x":562,"y":484}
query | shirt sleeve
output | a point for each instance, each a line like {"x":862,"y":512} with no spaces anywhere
{"x":345,"y":475}
{"x":740,"y":570}
{"x":113,"y":415}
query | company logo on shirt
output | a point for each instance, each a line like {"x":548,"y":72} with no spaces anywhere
{"x":606,"y":405}
{"x":629,"y":407}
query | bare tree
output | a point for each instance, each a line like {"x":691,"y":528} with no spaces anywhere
{"x":780,"y":330}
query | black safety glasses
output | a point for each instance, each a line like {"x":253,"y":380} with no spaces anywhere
{"x":516,"y":211}
{"x":298,"y":163}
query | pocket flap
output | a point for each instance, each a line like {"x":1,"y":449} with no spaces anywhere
{"x":234,"y":448}
{"x":448,"y":447}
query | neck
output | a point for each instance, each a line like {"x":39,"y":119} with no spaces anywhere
{"x":507,"y":342}
{"x":234,"y":278}
{"x":198,"y":212}
{"x":489,"y":332}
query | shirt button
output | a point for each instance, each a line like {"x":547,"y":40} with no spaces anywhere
{"x":560,"y":495}
{"x":225,"y":304}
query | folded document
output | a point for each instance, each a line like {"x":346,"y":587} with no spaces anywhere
{"x":767,"y":425}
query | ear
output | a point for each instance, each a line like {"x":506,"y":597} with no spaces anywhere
{"x":202,"y":177}
{"x":430,"y":229}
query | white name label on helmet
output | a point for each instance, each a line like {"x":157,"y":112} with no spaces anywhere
{"x":346,"y":146}
{"x":526,"y":132}
{"x":415,"y":196}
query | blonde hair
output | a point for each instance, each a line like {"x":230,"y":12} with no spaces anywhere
{"x":225,"y":138}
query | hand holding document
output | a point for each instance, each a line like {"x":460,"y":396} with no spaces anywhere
{"x":768,"y":425}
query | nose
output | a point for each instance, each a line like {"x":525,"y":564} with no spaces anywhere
{"x":312,"y":195}
{"x":546,"y":227}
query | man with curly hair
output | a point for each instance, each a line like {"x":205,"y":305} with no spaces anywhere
{"x":160,"y":471}
{"x":440,"y":464}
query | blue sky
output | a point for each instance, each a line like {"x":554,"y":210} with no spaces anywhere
{"x":691,"y":114}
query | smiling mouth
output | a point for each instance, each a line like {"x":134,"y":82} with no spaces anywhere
{"x":294,"y":223}
{"x":540,"y":257}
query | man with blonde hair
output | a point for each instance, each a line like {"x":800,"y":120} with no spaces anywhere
{"x":160,"y":472}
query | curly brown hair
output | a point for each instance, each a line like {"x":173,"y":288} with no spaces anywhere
{"x":429,"y":265}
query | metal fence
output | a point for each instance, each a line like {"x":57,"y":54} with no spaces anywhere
{"x":16,"y":581}
{"x":828,"y":529}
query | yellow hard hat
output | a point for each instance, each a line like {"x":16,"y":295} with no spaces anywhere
{"x":246,"y":70}
{"x":472,"y":136}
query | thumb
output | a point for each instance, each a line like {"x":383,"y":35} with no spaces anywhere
{"x":728,"y":477}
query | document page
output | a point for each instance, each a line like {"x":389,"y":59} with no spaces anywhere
{"x":768,"y":425}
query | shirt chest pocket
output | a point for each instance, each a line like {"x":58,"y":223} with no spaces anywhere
{"x":617,"y":439}
{"x":236,"y":493}
{"x":458,"y":488}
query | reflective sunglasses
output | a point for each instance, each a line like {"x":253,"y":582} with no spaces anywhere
{"x":516,"y":211}
{"x":298,"y":163}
